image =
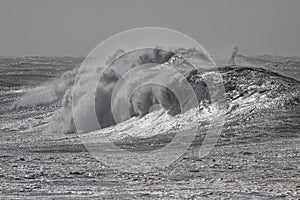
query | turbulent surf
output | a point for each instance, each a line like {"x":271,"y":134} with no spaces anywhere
{"x":260,"y":110}
{"x":260,"y":86}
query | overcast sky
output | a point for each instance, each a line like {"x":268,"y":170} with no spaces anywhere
{"x":75,"y":27}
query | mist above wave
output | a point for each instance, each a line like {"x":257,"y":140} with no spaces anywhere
{"x":49,"y":92}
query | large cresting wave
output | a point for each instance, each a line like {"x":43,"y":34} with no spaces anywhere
{"x":157,"y":105}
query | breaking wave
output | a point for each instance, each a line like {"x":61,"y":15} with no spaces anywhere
{"x":48,"y":93}
{"x":242,"y":85}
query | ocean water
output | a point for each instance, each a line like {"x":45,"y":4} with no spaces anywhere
{"x":256,"y":155}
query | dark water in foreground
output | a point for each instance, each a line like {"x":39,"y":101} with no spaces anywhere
{"x":257,"y":155}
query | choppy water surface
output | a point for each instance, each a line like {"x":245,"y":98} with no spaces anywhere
{"x":256,"y":156}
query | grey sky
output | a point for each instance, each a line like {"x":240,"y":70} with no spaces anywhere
{"x":74,"y":27}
